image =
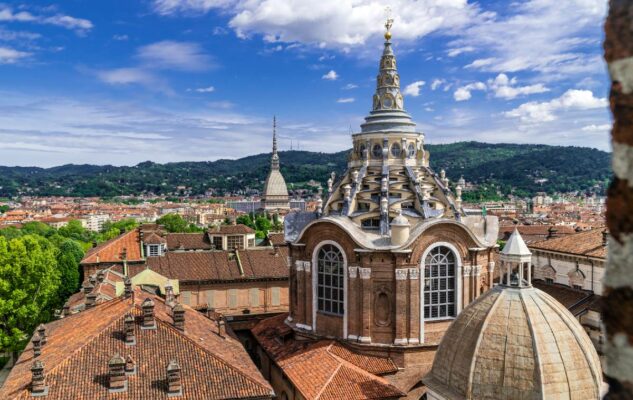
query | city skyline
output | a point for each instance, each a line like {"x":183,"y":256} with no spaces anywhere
{"x":171,"y":80}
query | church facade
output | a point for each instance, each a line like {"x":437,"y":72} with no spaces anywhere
{"x":390,"y":258}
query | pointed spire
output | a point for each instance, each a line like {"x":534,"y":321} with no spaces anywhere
{"x":274,"y":162}
{"x":388,"y":96}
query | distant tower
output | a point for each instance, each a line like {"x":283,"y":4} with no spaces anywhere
{"x":275,"y":196}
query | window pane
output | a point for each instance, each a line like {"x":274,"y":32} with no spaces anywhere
{"x":439,"y":290}
{"x":330,"y":280}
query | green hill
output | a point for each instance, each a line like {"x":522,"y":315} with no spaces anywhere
{"x":504,"y":168}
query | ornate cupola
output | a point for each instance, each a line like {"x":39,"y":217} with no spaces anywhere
{"x":275,"y":195}
{"x":388,"y":170}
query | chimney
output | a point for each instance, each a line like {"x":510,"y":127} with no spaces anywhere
{"x":128,"y":287}
{"x":41,"y":330}
{"x":149,"y":322}
{"x":117,"y":381}
{"x":170,"y":300}
{"x":605,"y":237}
{"x":221,"y":327}
{"x":178,"y":315}
{"x":130,"y":338}
{"x":38,"y":380}
{"x":66,"y":309}
{"x":174,"y":383}
{"x":37,"y":345}
{"x":130,"y":366}
{"x":91,"y":300}
{"x":552,"y":233}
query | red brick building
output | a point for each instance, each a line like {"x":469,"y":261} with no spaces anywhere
{"x":380,"y":270}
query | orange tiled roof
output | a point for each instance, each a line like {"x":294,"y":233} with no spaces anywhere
{"x":588,"y":243}
{"x":324,"y":369}
{"x":277,"y":239}
{"x":79,"y":347}
{"x":188,"y":241}
{"x":238,"y":229}
{"x":111,"y":250}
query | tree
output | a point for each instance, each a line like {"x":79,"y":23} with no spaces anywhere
{"x":75,"y":230}
{"x":124,"y":225}
{"x":246,"y":220}
{"x":29,"y":280}
{"x":68,"y":258}
{"x":4,"y":208}
{"x":37,"y":228}
{"x":263,"y":226}
{"x":176,"y":223}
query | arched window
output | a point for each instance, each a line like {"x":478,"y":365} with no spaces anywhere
{"x":411,"y":150}
{"x":439,"y":284}
{"x":330,"y":280}
{"x":395,"y":150}
{"x":376,"y":151}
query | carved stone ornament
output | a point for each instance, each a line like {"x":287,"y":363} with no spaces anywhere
{"x":414,"y":273}
{"x":299,"y":265}
{"x":467,"y":269}
{"x":353,"y":272}
{"x":365,"y":273}
{"x":306,"y":266}
{"x":401,"y":274}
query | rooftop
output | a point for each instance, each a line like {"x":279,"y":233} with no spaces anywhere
{"x":588,"y":243}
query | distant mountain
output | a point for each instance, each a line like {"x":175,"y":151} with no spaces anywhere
{"x":495,"y":168}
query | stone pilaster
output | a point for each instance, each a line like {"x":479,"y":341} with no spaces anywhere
{"x":307,"y":280}
{"x":491,"y":274}
{"x":299,"y":313}
{"x":414,"y":306}
{"x":466,"y":285}
{"x":477,"y":280}
{"x":353,"y":303}
{"x":365,"y":277}
{"x":402,"y":296}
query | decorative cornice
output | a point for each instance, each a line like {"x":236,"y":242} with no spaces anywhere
{"x":401,"y":274}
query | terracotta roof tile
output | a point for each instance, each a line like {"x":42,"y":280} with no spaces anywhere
{"x":238,"y":229}
{"x":324,"y":369}
{"x":588,"y":243}
{"x":154,"y":238}
{"x":277,"y":239}
{"x":188,"y":241}
{"x":79,"y":346}
{"x":221,"y":265}
{"x":111,"y":250}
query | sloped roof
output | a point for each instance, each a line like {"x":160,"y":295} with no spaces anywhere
{"x":588,"y":243}
{"x":238,"y":229}
{"x":222,"y":265}
{"x":154,"y":238}
{"x":324,"y":369}
{"x":111,"y":250}
{"x":188,"y":241}
{"x":515,"y":249}
{"x":79,"y":347}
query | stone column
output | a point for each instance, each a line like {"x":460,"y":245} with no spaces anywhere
{"x":365,"y":276}
{"x":476,"y":280}
{"x":299,"y":313}
{"x":309,"y":297}
{"x":466,"y":284}
{"x":414,"y":306}
{"x":402,"y":297}
{"x":491,"y":274}
{"x":353,"y":309}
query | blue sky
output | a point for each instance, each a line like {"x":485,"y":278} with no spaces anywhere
{"x":123,"y":81}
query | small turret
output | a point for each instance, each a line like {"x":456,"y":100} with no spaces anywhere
{"x":400,"y":229}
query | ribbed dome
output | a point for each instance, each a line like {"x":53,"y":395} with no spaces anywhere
{"x":275,"y":185}
{"x":515,"y":343}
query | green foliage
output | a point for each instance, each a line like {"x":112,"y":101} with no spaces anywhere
{"x":4,"y":208}
{"x":75,"y":230}
{"x":124,"y":225}
{"x":177,"y":224}
{"x":29,"y":282}
{"x":68,"y":258}
{"x":512,"y":168}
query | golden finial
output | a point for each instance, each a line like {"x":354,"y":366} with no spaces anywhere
{"x":389,"y":23}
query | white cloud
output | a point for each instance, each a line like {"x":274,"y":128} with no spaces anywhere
{"x":346,"y":100}
{"x":120,"y":37}
{"x":208,"y":89}
{"x":125,"y":76}
{"x":11,"y":56}
{"x":350,"y":86}
{"x":459,"y":50}
{"x":464,"y":92}
{"x":79,"y":25}
{"x":9,"y":36}
{"x":503,"y":87}
{"x":437,"y":83}
{"x":597,"y":128}
{"x":169,"y":54}
{"x":554,"y":38}
{"x":330,"y":76}
{"x":413,"y":89}
{"x":535,"y":112}
{"x":329,"y":23}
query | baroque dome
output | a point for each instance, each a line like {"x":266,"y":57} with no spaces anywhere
{"x":515,"y":343}
{"x":275,"y":184}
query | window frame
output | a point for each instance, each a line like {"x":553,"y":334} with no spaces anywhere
{"x":330,"y":256}
{"x":438,"y":256}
